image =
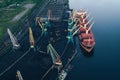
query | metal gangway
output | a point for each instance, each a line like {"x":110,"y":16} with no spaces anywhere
{"x":55,"y":57}
{"x":57,"y":63}
{"x":19,"y":76}
{"x":14,"y":41}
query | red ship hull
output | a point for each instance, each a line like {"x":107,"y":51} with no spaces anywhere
{"x":87,"y":41}
{"x":86,"y":36}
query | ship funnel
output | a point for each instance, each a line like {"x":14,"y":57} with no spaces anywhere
{"x":19,"y":75}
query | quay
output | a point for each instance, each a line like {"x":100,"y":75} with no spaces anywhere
{"x":33,"y":64}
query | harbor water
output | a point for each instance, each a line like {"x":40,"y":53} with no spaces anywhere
{"x":104,"y":62}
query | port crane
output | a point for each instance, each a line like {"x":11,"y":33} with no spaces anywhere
{"x":72,"y":25}
{"x":71,"y":30}
{"x":31,"y":38}
{"x":44,"y":25}
{"x":55,"y":57}
{"x":19,"y":76}
{"x":14,"y":41}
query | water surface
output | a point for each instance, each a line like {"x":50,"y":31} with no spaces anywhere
{"x":104,"y":64}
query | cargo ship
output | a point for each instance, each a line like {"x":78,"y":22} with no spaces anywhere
{"x":86,"y":36}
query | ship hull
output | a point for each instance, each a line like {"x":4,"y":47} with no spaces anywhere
{"x":85,"y":33}
{"x":86,"y":45}
{"x":86,"y":48}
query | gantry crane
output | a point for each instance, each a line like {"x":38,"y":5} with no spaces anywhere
{"x":14,"y":41}
{"x":55,"y":57}
{"x":31,"y":38}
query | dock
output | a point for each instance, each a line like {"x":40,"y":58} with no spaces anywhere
{"x":39,"y":61}
{"x":55,"y":8}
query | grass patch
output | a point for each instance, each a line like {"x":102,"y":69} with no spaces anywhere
{"x":5,"y":18}
{"x":7,"y":15}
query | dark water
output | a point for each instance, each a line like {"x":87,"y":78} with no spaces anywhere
{"x":104,"y":64}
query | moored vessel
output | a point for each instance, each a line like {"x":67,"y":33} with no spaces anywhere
{"x":86,"y":36}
